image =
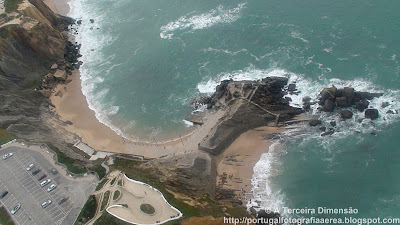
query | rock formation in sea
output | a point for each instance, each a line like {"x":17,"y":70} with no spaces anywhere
{"x":248,"y":105}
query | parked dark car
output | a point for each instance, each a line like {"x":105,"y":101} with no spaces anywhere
{"x":64,"y":199}
{"x":42,"y":177}
{"x":54,"y":171}
{"x":3,"y":194}
{"x":35,"y":172}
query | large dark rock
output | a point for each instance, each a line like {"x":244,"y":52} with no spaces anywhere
{"x":342,"y":102}
{"x":371,"y":113}
{"x":329,"y":105}
{"x":328,"y":93}
{"x":314,"y":122}
{"x":361,"y":105}
{"x":349,"y":94}
{"x":346,"y":114}
{"x":292,"y":87}
{"x":306,"y":99}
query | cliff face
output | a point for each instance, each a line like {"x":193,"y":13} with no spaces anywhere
{"x":31,"y":39}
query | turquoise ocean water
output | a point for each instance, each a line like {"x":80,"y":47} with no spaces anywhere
{"x":145,"y":60}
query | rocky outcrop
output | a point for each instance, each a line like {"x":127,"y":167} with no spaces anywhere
{"x":60,"y":75}
{"x":249,"y":105}
{"x":330,"y":98}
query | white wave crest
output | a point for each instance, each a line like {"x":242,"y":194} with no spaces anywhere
{"x":196,"y":22}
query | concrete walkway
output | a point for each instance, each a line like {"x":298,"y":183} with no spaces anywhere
{"x":132,"y":195}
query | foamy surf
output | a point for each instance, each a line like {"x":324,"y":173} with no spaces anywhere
{"x":265,"y":195}
{"x":92,"y":41}
{"x":191,"y":22}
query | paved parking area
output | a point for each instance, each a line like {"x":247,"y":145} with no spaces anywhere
{"x":25,"y":189}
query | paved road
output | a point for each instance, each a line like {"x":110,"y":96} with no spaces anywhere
{"x":25,"y":189}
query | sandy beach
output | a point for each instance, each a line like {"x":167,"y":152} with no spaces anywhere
{"x":58,"y":6}
{"x":235,"y":168}
{"x":71,"y":105}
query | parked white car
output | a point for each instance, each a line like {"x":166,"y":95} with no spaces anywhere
{"x":46,"y":203}
{"x":46,"y":182}
{"x":8,"y":155}
{"x":52,"y":187}
{"x":30,"y":167}
{"x":15,"y":209}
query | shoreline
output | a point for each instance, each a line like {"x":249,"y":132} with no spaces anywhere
{"x":235,"y":168}
{"x":72,"y":108}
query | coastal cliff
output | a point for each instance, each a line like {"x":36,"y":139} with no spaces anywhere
{"x":32,"y":38}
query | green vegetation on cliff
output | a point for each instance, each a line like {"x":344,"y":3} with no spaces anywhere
{"x":208,"y":206}
{"x":106,"y":197}
{"x":75,"y":166}
{"x":88,"y":211}
{"x":70,"y":163}
{"x":11,"y":5}
{"x":4,"y":136}
{"x":5,"y":219}
{"x":101,"y":184}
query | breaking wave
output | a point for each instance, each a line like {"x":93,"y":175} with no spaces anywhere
{"x":192,"y":22}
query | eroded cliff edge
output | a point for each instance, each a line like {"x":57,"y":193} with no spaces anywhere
{"x":32,"y":38}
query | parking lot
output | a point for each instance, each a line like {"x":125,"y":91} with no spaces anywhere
{"x":24,"y":188}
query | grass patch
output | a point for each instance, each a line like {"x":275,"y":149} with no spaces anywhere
{"x":131,"y":169}
{"x":88,"y":211}
{"x":147,"y":208}
{"x":34,"y":84}
{"x":107,"y":219}
{"x":11,"y":5}
{"x":101,"y":171}
{"x":116,"y":195}
{"x":101,"y":185}
{"x":113,"y":181}
{"x":71,"y":164}
{"x":211,"y":208}
{"x":105,"y":200}
{"x":5,"y":137}
{"x":5,"y":219}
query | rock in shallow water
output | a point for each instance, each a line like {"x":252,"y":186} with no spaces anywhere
{"x":371,"y":113}
{"x":314,"y":122}
{"x":346,"y":114}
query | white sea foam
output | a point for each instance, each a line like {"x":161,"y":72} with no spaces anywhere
{"x":228,"y":52}
{"x":92,"y":41}
{"x":265,"y":169}
{"x":192,"y":22}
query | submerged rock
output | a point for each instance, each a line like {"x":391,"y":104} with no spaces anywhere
{"x":314,"y":122}
{"x":346,"y":114}
{"x":330,"y":132}
{"x":371,"y":113}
